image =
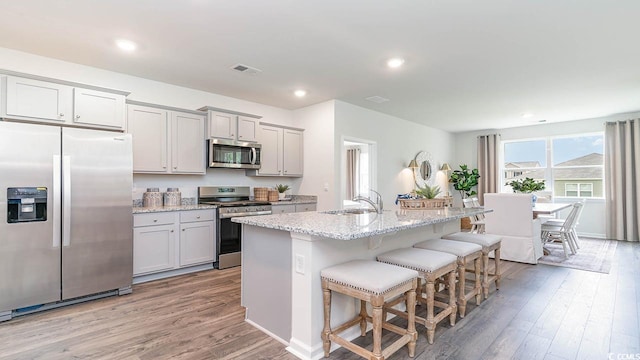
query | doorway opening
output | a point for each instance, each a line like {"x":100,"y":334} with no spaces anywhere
{"x":358,"y":169}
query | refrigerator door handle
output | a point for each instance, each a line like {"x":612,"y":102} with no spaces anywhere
{"x":57,"y":191}
{"x":66,"y":200}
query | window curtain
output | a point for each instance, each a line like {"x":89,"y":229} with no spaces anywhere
{"x":353,"y":171}
{"x":487,"y":165}
{"x":622,"y":179}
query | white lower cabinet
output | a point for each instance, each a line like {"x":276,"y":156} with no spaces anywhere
{"x":289,"y":208}
{"x":167,"y":241}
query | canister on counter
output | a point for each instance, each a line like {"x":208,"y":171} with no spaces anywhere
{"x":152,"y":198}
{"x":172,"y":197}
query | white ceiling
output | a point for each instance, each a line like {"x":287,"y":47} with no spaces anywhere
{"x":469,"y":64}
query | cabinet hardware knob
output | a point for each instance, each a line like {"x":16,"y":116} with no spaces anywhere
{"x":77,"y":116}
{"x":183,"y":229}
{"x":231,"y":134}
{"x":155,"y":220}
{"x":197,"y":217}
{"x":175,"y":167}
{"x":171,"y":230}
{"x":61,"y":114}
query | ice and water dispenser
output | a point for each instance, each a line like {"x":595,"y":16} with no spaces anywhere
{"x":25,"y":204}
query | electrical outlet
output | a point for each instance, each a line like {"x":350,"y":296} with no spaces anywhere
{"x":300,"y":264}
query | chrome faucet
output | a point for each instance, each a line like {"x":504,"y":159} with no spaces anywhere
{"x":377,"y":206}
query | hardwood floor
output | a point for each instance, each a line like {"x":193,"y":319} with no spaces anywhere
{"x":540,"y":312}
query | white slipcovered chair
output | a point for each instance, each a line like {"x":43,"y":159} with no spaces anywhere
{"x":512,"y":219}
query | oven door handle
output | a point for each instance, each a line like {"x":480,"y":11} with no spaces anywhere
{"x":254,"y":213}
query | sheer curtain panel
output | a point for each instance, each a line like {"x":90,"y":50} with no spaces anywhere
{"x":353,"y":172}
{"x":622,"y":179}
{"x":488,"y":165}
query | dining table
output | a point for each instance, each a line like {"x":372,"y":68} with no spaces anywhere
{"x":548,"y":208}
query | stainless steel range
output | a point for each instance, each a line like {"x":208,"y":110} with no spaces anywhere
{"x":232,"y":201}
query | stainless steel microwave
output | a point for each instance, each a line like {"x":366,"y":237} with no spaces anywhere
{"x":234,"y":154}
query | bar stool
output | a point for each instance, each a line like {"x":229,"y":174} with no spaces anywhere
{"x":376,"y":283}
{"x":466,"y":253}
{"x":489,"y":243}
{"x":431,"y":265}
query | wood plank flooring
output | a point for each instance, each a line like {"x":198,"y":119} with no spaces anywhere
{"x":540,"y":312}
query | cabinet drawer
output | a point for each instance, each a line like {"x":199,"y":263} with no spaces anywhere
{"x":197,"y":215}
{"x":305,"y":207}
{"x":159,"y":218}
{"x":283,"y":209}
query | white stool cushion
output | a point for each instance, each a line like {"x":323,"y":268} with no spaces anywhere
{"x":370,"y":276}
{"x":418,"y":259}
{"x":480,"y":239}
{"x":457,"y":248}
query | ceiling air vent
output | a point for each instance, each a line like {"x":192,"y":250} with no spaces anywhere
{"x":246,"y":69}
{"x":377,"y":99}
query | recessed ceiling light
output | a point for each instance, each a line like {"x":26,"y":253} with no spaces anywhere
{"x":300,"y":93}
{"x":395,"y":62}
{"x":126,"y":45}
{"x":527,"y":115}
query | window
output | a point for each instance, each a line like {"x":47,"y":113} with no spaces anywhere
{"x":578,"y":190}
{"x":571,"y":166}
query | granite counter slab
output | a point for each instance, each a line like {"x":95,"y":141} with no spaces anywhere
{"x":356,"y":226}
{"x":143,"y":210}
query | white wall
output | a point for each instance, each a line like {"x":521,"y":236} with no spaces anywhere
{"x":165,"y":94}
{"x":398,"y":141}
{"x":319,"y":173}
{"x":592,"y":222}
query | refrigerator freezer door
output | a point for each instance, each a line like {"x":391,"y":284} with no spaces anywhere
{"x":97,"y":254}
{"x":29,"y":251}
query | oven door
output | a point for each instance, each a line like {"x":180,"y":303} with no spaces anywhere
{"x":229,"y":243}
{"x":233,"y":154}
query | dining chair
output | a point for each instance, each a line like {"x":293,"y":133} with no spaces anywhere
{"x":477,"y":221}
{"x":564,"y":230}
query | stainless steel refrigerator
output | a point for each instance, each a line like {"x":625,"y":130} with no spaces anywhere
{"x":65,"y":214}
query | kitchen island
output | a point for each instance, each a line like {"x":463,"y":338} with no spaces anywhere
{"x":282,"y":256}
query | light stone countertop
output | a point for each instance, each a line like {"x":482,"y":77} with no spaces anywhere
{"x":355,"y":226}
{"x":144,"y":210}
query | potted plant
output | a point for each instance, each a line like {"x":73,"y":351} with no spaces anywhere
{"x":527,"y":186}
{"x":428,"y":192}
{"x":281,"y":190}
{"x":464,"y":180}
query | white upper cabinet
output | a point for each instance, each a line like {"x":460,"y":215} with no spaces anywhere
{"x":99,"y":109}
{"x":43,"y":101}
{"x":166,"y":141}
{"x":149,"y":129}
{"x":222,"y":126}
{"x":281,"y":153}
{"x":36,"y":99}
{"x":247,"y":129}
{"x":292,"y":153}
{"x":188,"y":143}
{"x":231,"y":125}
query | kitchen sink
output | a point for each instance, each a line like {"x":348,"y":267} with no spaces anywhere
{"x":351,"y":212}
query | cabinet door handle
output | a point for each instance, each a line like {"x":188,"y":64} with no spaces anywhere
{"x":77,"y":116}
{"x":155,"y":220}
{"x":197,"y":217}
{"x":61,"y":115}
{"x":171,"y":230}
{"x":183,"y":229}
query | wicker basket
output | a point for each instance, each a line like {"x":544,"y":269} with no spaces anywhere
{"x":421,"y":204}
{"x":273,"y":195}
{"x":261,"y":193}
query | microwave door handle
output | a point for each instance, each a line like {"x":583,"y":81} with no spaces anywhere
{"x":254,"y":155}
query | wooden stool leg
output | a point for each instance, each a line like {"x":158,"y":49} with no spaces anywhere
{"x":478,"y":287}
{"x":431,"y":327}
{"x":452,"y":298}
{"x":411,"y":327}
{"x":462,"y":299}
{"x":363,"y":317}
{"x":497,"y":262}
{"x":326,"y":331}
{"x":485,"y":274}
{"x":377,"y":302}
